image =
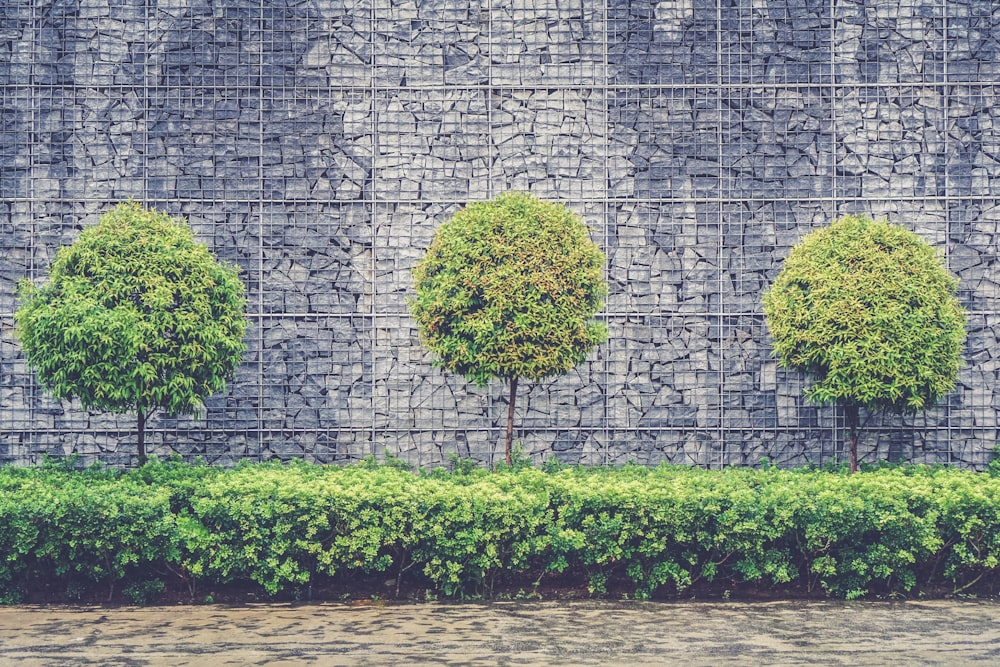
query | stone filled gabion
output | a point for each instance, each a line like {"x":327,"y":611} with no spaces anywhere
{"x":319,"y":144}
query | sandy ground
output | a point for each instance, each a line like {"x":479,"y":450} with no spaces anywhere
{"x":507,"y":633}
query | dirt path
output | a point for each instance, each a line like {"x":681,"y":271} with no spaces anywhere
{"x":508,"y":633}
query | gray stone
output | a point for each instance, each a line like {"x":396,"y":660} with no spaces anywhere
{"x":319,"y":149}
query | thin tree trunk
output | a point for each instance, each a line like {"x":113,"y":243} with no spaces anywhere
{"x":851,"y":416}
{"x":142,"y":436}
{"x":510,"y":421}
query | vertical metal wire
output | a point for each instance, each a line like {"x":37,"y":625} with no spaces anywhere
{"x":373,"y":221}
{"x":260,"y":320}
{"x":605,"y":185}
{"x":835,"y":203}
{"x":492,"y":98}
{"x":948,"y":205}
{"x":33,"y":390}
{"x":720,"y":327}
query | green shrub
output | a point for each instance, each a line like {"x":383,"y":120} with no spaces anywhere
{"x":855,"y":533}
{"x":509,"y":289}
{"x":182,"y":480}
{"x":868,"y":309}
{"x":478,"y":531}
{"x":81,"y":529}
{"x":649,"y":532}
{"x":136,"y":316}
{"x":281,"y":526}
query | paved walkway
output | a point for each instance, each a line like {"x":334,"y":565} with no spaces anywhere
{"x":508,"y":633}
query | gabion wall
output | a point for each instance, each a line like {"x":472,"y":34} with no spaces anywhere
{"x":319,"y":143}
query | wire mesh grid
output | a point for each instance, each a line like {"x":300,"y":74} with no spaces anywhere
{"x":317,"y":145}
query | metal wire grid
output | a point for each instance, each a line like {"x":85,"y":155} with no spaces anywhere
{"x":318,"y":146}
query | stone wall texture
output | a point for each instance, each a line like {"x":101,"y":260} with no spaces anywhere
{"x":319,"y":143}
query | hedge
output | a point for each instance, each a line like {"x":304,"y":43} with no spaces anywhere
{"x":648,"y":531}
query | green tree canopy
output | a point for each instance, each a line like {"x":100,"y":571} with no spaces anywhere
{"x":136,"y":316}
{"x":509,"y":289}
{"x":869,"y":310}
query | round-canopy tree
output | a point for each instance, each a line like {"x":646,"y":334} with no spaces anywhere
{"x":869,"y":310}
{"x":509,"y":289}
{"x":136,"y":316}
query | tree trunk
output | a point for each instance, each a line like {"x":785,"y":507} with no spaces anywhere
{"x":851,"y":417}
{"x":141,"y":428}
{"x":510,"y":421}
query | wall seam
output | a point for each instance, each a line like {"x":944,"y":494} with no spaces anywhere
{"x":602,"y":355}
{"x":946,"y":116}
{"x":720,"y":243}
{"x":261,"y":231}
{"x":372,"y":308}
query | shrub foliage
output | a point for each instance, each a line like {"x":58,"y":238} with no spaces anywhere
{"x":136,"y":316}
{"x":867,"y":309}
{"x":649,"y":532}
{"x":509,"y":289}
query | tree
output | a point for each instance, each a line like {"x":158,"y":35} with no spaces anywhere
{"x":869,"y":310}
{"x":136,"y":316}
{"x":508,"y":289}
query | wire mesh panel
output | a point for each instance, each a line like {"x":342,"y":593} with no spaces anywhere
{"x":891,"y":42}
{"x":652,"y":43}
{"x":776,"y":143}
{"x":550,"y":142}
{"x":17,"y":109}
{"x":317,"y":145}
{"x":429,"y":44}
{"x":316,"y":374}
{"x":666,"y":141}
{"x":433,"y":145}
{"x":546,"y":43}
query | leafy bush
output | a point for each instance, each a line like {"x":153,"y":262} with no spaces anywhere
{"x":81,"y":528}
{"x":281,"y":526}
{"x":509,"y":289}
{"x":648,"y":532}
{"x":136,"y":316}
{"x":869,"y":310}
{"x":479,"y":530}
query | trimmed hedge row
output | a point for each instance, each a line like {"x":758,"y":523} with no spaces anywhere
{"x":461,"y":533}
